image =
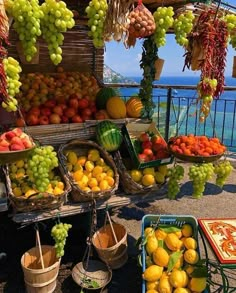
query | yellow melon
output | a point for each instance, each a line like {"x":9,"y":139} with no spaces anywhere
{"x":116,"y":108}
{"x":134,"y":107}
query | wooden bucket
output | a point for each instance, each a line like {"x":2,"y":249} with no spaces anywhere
{"x":37,"y":279}
{"x":234,"y":67}
{"x":113,"y":253}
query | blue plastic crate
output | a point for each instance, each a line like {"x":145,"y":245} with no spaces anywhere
{"x":177,"y":220}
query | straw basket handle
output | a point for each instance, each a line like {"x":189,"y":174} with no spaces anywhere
{"x":111,"y":225}
{"x":38,"y":244}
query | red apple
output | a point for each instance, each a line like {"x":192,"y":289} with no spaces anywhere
{"x":54,"y":118}
{"x":45,"y":111}
{"x":77,"y":96}
{"x":50,"y":103}
{"x":76,"y":119}
{"x":43,"y":120}
{"x":9,"y":135}
{"x":146,"y":144}
{"x":17,"y":147}
{"x":64,"y":119}
{"x":73,"y":103}
{"x":4,"y":143}
{"x":86,"y":117}
{"x":69,"y":112}
{"x":86,"y":112}
{"x":58,"y":110}
{"x":4,"y":149}
{"x":148,"y":152}
{"x":83,"y":103}
{"x":34,"y":110}
{"x":144,"y":137}
{"x":143,"y":158}
{"x":32,"y":120}
{"x":17,"y":131}
{"x":27,"y":142}
{"x":20,"y":122}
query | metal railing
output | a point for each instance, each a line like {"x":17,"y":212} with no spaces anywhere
{"x":176,"y":114}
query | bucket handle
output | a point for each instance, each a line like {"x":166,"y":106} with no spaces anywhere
{"x":38,"y":244}
{"x":111,"y":225}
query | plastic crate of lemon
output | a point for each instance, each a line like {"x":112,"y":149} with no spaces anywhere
{"x":171,"y":260}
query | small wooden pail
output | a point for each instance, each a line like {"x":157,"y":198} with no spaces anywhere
{"x":112,"y":250}
{"x":38,"y":279}
{"x":159,"y":63}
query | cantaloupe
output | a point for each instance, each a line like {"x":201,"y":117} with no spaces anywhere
{"x":103,"y":96}
{"x":116,"y":108}
{"x":134,"y":107}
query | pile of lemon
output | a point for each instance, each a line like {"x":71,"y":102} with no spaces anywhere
{"x":149,"y":176}
{"x":171,"y":259}
{"x":23,"y":187}
{"x":90,"y":171}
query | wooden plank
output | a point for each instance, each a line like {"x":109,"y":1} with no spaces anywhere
{"x":70,"y":208}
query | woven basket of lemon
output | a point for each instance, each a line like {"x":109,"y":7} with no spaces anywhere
{"x":139,"y":181}
{"x":37,"y":182}
{"x":90,"y":169}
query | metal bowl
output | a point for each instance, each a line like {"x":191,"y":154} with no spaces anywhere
{"x":96,"y":273}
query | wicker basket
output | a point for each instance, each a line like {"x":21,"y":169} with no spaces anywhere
{"x":41,"y":200}
{"x":81,"y":147}
{"x":128,"y":184}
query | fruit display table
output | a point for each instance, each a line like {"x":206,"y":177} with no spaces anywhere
{"x":218,"y":237}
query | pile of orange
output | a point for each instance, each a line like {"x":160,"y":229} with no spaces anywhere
{"x":191,"y":145}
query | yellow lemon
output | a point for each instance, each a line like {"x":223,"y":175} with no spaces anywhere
{"x":20,"y":173}
{"x":89,"y":166}
{"x":82,"y":160}
{"x":110,"y":173}
{"x":190,"y":243}
{"x":61,"y":185}
{"x":30,"y":192}
{"x":100,"y":162}
{"x":97,"y":170}
{"x":17,"y":191}
{"x":50,"y":190}
{"x":20,"y":164}
{"x":151,"y":244}
{"x":172,"y":242}
{"x":187,"y":230}
{"x":103,"y":185}
{"x":100,"y":176}
{"x":152,"y":285}
{"x":136,"y":175}
{"x":13,"y":185}
{"x":72,"y":157}
{"x":110,"y":180}
{"x":178,"y":278}
{"x":160,"y":178}
{"x":86,"y":188}
{"x":160,"y":234}
{"x":92,"y":182}
{"x":160,"y":257}
{"x":164,"y":285}
{"x":152,"y":291}
{"x":13,"y":168}
{"x":189,"y":269}
{"x":88,"y":174}
{"x":149,"y":171}
{"x":148,"y":180}
{"x":57,"y":191}
{"x":77,"y":167}
{"x":83,"y":182}
{"x":179,"y":234}
{"x":191,"y":256}
{"x":69,"y":166}
{"x":148,"y":231}
{"x":25,"y":188}
{"x":78,"y":175}
{"x":95,"y":188}
{"x":181,"y":290}
{"x":197,"y":284}
{"x":93,"y":155}
{"x":163,"y":169}
{"x":179,"y":263}
{"x":105,"y":168}
{"x":152,"y":273}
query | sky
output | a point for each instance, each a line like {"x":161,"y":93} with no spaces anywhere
{"x":126,"y":61}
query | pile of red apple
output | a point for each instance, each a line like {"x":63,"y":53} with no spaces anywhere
{"x":153,"y":147}
{"x":64,"y":97}
{"x":15,"y":140}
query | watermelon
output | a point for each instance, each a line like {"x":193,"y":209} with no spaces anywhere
{"x":108,"y":135}
{"x":103,"y":95}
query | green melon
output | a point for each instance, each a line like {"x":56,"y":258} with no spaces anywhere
{"x":108,"y":135}
{"x":103,"y":95}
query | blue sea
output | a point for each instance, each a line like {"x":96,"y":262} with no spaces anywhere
{"x":184,"y":109}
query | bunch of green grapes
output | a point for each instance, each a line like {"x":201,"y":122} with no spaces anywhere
{"x":59,"y":233}
{"x":222,"y":171}
{"x":230,"y":20}
{"x":57,"y":19}
{"x":12,"y":70}
{"x":164,"y":20}
{"x":174,"y":174}
{"x":200,"y":174}
{"x":40,"y":164}
{"x":183,"y":25}
{"x":96,"y":12}
{"x":27,"y":15}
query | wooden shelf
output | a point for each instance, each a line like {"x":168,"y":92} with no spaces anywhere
{"x":70,"y":208}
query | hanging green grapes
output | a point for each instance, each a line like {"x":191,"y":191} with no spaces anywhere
{"x":59,"y":233}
